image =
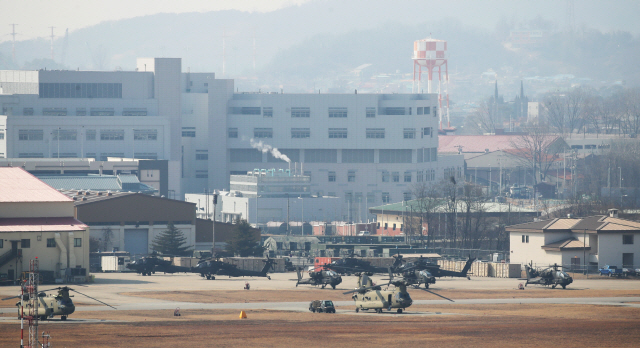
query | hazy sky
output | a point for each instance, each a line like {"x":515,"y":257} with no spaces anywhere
{"x":34,"y":17}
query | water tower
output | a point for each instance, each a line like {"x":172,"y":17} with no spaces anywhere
{"x":431,"y":54}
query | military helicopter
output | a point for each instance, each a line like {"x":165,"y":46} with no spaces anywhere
{"x":416,"y":277}
{"x":434,"y":269}
{"x":211,"y":268}
{"x":50,"y":306}
{"x":152,"y":264}
{"x":552,"y":275}
{"x":322,"y":278}
{"x":350,"y":264}
{"x":369,"y":296}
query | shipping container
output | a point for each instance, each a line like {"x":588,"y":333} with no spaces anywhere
{"x":114,"y":263}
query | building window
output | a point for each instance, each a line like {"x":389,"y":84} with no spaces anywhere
{"x":65,"y":134}
{"x":91,"y":134}
{"x":407,"y":196}
{"x":300,"y":133}
{"x":409,"y":133}
{"x":30,"y":155}
{"x":337,"y":112}
{"x":371,"y":112}
{"x":54,"y":112}
{"x":51,"y":242}
{"x":419,"y":176}
{"x":105,"y":155}
{"x":134,"y":112}
{"x":267,"y":112}
{"x":321,"y":156}
{"x":77,"y":242}
{"x":27,"y":111}
{"x":375,"y":133}
{"x":232,"y":133}
{"x":188,"y":132}
{"x":30,"y":134}
{"x":81,"y":112}
{"x":1,"y":136}
{"x":627,"y":239}
{"x":64,"y":155}
{"x":426,"y":131}
{"x":25,"y":243}
{"x":202,"y":174}
{"x":348,"y":197}
{"x":112,"y":134}
{"x":80,"y":90}
{"x":371,"y":197}
{"x":263,"y":132}
{"x":407,"y":176}
{"x":525,"y":239}
{"x":337,"y":133}
{"x":395,"y":156}
{"x":395,"y":176}
{"x":102,"y":112}
{"x":250,"y":110}
{"x":145,"y":134}
{"x":202,"y":155}
{"x":357,"y":156}
{"x":332,"y":176}
{"x":385,"y":176}
{"x":386,"y":199}
{"x":307,"y":173}
{"x":395,"y":111}
{"x":1,"y":243}
{"x":351,"y":176}
{"x":300,"y":112}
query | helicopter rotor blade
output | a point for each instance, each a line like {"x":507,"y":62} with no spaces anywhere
{"x":93,"y":298}
{"x":8,"y":298}
{"x":427,"y":290}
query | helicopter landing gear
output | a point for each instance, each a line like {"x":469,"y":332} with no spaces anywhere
{"x":357,"y":309}
{"x":333,"y":286}
{"x":553,"y":286}
{"x":268,"y":277}
{"x":564,"y":286}
{"x":426,"y":285}
{"x":63,"y":318}
{"x":379,"y":310}
{"x":43,"y":317}
{"x":399,"y":310}
{"x":323,"y":285}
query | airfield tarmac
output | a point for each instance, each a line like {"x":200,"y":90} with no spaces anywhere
{"x":487,"y":312}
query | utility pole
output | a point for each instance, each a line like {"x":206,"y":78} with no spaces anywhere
{"x":13,"y":42}
{"x":213,"y":229}
{"x":52,"y":36}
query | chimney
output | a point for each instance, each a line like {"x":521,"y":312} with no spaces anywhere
{"x":613,"y":213}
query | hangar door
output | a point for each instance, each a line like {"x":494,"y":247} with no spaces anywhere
{"x":136,"y":241}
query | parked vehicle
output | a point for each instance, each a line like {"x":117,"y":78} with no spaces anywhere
{"x":323,"y":306}
{"x":612,"y":271}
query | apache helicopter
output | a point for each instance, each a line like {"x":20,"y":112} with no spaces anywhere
{"x":416,"y":277}
{"x":232,"y":270}
{"x":369,"y":296}
{"x":322,"y":278}
{"x":552,"y":275}
{"x":209,"y":268}
{"x":50,"y":306}
{"x":434,"y":269}
{"x":152,"y":264}
{"x":350,"y":264}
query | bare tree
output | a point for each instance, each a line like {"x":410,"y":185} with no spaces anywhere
{"x":630,"y":111}
{"x":485,"y":118}
{"x":565,"y":111}
{"x":473,"y":216}
{"x":537,"y":149}
{"x":427,"y":201}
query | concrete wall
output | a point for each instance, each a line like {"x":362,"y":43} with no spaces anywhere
{"x":33,"y":209}
{"x":50,"y":257}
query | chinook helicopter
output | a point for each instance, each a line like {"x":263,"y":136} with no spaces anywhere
{"x":370,"y":296}
{"x":322,"y":278}
{"x":50,"y":306}
{"x":552,"y":275}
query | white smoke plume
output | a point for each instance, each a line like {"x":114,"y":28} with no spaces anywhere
{"x":268,"y":148}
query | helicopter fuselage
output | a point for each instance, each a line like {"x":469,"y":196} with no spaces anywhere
{"x":48,"y":307}
{"x":382,"y":299}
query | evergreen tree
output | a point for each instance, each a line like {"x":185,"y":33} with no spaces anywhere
{"x":245,"y":242}
{"x":171,"y":242}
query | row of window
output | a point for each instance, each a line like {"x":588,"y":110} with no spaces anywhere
{"x":51,"y":243}
{"x":331,"y":155}
{"x":72,"y":134}
{"x":80,"y":90}
{"x":332,"y":112}
{"x":103,"y":156}
{"x":421,"y":176}
{"x":83,"y":112}
{"x":333,"y":133}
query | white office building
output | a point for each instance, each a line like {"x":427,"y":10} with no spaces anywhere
{"x":362,"y":148}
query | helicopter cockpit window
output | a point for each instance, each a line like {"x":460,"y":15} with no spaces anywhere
{"x":563,"y":274}
{"x":403,"y":296}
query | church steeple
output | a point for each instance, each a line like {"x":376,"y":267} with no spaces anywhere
{"x":496,"y":92}
{"x":521,"y":89}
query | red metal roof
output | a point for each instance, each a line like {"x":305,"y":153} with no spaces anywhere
{"x":475,"y":143}
{"x":58,"y":224}
{"x":18,"y":185}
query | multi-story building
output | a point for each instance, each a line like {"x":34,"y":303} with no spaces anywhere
{"x":358,"y":147}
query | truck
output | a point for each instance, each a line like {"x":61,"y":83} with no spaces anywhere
{"x":612,"y":271}
{"x":322,"y":306}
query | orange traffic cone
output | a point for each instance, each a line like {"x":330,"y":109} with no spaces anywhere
{"x":243,"y":315}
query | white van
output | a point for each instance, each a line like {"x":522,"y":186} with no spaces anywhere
{"x":364,"y":233}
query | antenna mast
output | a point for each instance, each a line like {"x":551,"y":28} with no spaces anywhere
{"x":52,"y":36}
{"x":13,"y":43}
